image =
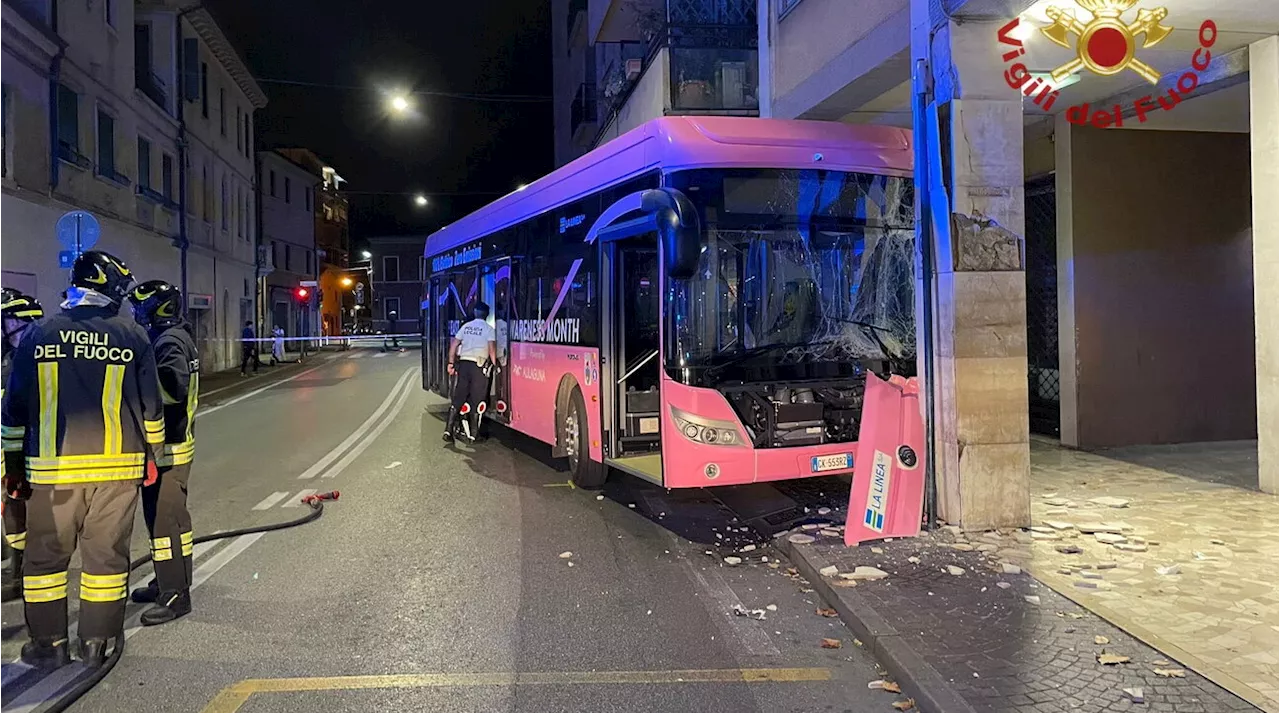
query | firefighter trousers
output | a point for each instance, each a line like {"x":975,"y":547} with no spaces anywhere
{"x":164,"y":507}
{"x":97,"y":517}
{"x":15,"y":525}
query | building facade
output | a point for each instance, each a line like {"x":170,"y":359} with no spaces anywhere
{"x":100,"y":112}
{"x":288,"y":244}
{"x":333,"y":236}
{"x":399,"y":273}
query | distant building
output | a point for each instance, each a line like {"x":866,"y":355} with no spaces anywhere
{"x":398,"y":278}
{"x":333,"y":236}
{"x":288,"y":243}
{"x":98,"y":97}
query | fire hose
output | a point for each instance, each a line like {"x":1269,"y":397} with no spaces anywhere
{"x":316,"y":502}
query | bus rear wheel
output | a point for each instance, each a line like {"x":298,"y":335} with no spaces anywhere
{"x":586,"y":473}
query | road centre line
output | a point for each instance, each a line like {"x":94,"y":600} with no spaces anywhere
{"x":372,"y":436}
{"x":296,"y":501}
{"x":230,"y":699}
{"x":359,"y":433}
{"x":271,"y":500}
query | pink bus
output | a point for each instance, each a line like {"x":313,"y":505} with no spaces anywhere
{"x":702,"y":301}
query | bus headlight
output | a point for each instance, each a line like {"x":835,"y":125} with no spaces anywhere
{"x":706,"y":431}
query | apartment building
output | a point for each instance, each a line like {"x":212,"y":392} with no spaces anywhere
{"x":399,"y":273}
{"x":333,"y":236}
{"x":288,"y":243}
{"x":112,"y":107}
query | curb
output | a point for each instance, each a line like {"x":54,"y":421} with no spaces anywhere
{"x":917,"y":677}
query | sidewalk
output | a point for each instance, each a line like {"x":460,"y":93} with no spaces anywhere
{"x":985,"y":641}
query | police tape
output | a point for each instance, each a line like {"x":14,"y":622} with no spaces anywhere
{"x":324,"y":339}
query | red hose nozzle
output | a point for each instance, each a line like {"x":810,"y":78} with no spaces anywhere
{"x":317,"y":497}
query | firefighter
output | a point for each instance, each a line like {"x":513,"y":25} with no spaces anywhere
{"x":157,"y":306}
{"x":85,"y":397}
{"x":471,"y":358}
{"x":19,"y":312}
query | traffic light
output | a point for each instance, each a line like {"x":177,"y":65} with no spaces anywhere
{"x":302,"y":293}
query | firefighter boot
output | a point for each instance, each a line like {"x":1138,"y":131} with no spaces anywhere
{"x":147,"y":594}
{"x":46,"y":653}
{"x":13,"y":587}
{"x":169,"y":606}
{"x":93,"y":652}
{"x":450,"y":425}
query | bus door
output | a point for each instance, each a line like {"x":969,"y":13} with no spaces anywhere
{"x":632,"y":351}
{"x":431,"y":348}
{"x":495,"y":291}
{"x":457,"y":296}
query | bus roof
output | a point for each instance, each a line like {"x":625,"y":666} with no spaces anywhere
{"x":677,"y":142}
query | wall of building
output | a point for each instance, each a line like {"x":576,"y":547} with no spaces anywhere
{"x":1154,"y":231}
{"x":814,"y":32}
{"x":289,"y":237}
{"x":405,"y":288}
{"x":1264,"y":137}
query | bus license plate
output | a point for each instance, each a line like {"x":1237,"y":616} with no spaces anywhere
{"x":836,"y":462}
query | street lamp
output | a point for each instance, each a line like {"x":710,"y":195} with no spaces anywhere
{"x":420,"y":200}
{"x":365,"y":254}
{"x":346,"y":281}
{"x":399,"y":104}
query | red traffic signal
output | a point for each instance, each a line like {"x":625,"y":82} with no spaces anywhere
{"x":302,"y":293}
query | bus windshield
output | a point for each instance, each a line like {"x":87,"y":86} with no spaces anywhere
{"x":798,"y":267}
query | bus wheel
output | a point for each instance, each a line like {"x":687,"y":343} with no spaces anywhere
{"x":585,"y":472}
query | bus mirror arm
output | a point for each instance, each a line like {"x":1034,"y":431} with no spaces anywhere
{"x":677,"y":225}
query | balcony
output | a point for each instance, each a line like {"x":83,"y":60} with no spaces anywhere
{"x":577,"y":11}
{"x":582,"y":113}
{"x":152,"y":86}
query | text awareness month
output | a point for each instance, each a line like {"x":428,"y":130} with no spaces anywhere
{"x":1103,"y":54}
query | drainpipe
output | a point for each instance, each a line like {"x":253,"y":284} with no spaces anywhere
{"x":180,"y":100}
{"x":923,"y":151}
{"x":55,"y":73}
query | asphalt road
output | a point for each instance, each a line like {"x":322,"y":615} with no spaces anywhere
{"x":437,"y":581}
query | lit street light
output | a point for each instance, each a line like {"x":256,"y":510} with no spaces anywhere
{"x":420,"y":200}
{"x":346,"y":282}
{"x":366,"y":254}
{"x":400,"y":104}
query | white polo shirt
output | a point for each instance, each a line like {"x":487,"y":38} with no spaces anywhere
{"x":473,"y":340}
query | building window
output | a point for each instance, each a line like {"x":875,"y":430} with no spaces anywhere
{"x":204,"y":89}
{"x":306,"y":197}
{"x":68,"y":120}
{"x":248,"y":225}
{"x":106,"y":144}
{"x":239,"y":133}
{"x":166,"y":176}
{"x":144,"y":163}
{"x":307,"y":253}
{"x":240,"y":205}
{"x":288,"y":190}
{"x":248,"y":136}
{"x":222,"y":110}
{"x":275,"y":254}
{"x":392,"y":307}
{"x":390,"y":268}
{"x":226,"y":205}
{"x":206,"y":189}
{"x":288,"y":256}
{"x":272,"y":183}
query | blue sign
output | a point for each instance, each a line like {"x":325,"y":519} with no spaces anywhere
{"x":78,"y":230}
{"x":66,"y":259}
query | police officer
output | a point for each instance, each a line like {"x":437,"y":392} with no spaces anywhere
{"x":20,"y":311}
{"x":471,"y":356}
{"x":85,"y":397}
{"x":157,"y":306}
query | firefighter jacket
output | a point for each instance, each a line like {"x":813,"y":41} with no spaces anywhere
{"x":178,"y":365}
{"x":83,"y":399}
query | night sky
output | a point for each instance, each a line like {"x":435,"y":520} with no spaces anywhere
{"x":373,"y":47}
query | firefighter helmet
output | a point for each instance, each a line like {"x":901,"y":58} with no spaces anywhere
{"x":103,"y":273}
{"x":156,"y":303}
{"x":17,"y":305}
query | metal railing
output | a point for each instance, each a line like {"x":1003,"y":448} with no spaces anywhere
{"x":714,"y":68}
{"x":150,"y":85}
{"x":576,"y":7}
{"x":583,"y":110}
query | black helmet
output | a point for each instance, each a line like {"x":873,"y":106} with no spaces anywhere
{"x":103,"y":273}
{"x":156,"y":303}
{"x":16,"y":305}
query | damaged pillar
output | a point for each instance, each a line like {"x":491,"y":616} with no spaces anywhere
{"x":980,"y":419}
{"x":1264,"y":127}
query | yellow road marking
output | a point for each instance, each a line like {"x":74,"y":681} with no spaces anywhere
{"x":566,"y":484}
{"x":231,"y":698}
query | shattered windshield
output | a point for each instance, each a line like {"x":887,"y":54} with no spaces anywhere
{"x":797,"y":266}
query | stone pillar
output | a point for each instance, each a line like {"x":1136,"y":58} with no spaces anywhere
{"x":980,"y":410}
{"x":1264,"y":127}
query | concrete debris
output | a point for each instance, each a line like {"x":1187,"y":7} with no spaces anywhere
{"x":868,"y":573}
{"x":1003,"y":585}
{"x":799,"y":538}
{"x":565,"y":555}
{"x":1023,"y":538}
{"x":1090,"y":575}
{"x":1105,"y":565}
{"x":954,"y":530}
{"x":1107,"y":659}
{"x":772,"y":607}
{"x":1031,"y":598}
{"x":830,"y":643}
{"x":1109,"y":538}
{"x":913,"y":559}
{"x":1066,"y":570}
{"x":828,"y":532}
{"x":1048,"y":496}
{"x":905,"y":705}
{"x":570,"y":564}
{"x":1045,"y":536}
{"x":1093,"y":584}
{"x":1159,"y":662}
{"x":1135,"y":694}
{"x":987,"y":547}
{"x":1108,"y":501}
{"x":631,"y":505}
{"x":846,"y":583}
{"x":1010,"y":568}
{"x":392,"y":464}
{"x":829,"y":571}
{"x":1070,"y":615}
{"x":1171,"y":569}
{"x":1100,"y":640}
{"x":954,"y":570}
{"x":824,"y":511}
{"x":748,"y":548}
{"x":889,"y":686}
{"x":1216,"y":542}
{"x":1067,"y":549}
{"x":1058,"y":524}
{"x":1058,"y":502}
{"x":731,"y":560}
{"x":1042,"y":529}
{"x":962,"y":547}
{"x":828,"y":613}
{"x":1090,"y":528}
{"x":1201,"y":556}
{"x":1170,"y":672}
{"x":599,"y":497}
{"x":810,"y":526}
{"x":1130,"y":547}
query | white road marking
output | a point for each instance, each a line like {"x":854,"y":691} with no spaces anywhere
{"x":271,"y":500}
{"x":379,"y":355}
{"x":358,"y":355}
{"x":357,"y":434}
{"x":255,"y":392}
{"x":296,"y":501}
{"x":373,"y":435}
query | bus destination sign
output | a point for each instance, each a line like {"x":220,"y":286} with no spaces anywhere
{"x":464,"y":255}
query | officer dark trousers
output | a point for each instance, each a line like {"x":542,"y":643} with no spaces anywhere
{"x":15,"y":536}
{"x":164,"y":507}
{"x":472,"y":389}
{"x":102,"y":515}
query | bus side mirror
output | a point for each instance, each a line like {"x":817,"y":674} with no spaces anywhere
{"x":678,"y":230}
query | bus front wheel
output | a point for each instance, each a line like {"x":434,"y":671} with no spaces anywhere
{"x":585,"y":472}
